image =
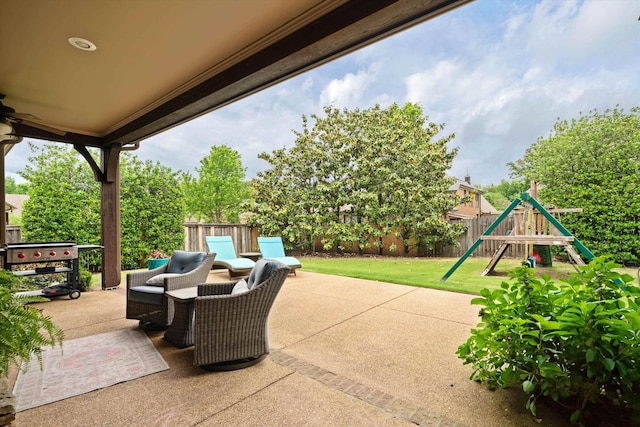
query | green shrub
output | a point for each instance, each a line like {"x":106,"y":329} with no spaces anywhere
{"x":85,"y":280}
{"x":24,"y":330}
{"x":576,"y":342}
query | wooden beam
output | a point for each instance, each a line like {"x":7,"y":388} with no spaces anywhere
{"x":3,"y":200}
{"x":110,"y":219}
{"x":27,"y":131}
{"x":564,"y":210}
{"x":574,"y":255}
{"x":536,"y":240}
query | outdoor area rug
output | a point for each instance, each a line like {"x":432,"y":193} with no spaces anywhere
{"x":87,"y":364}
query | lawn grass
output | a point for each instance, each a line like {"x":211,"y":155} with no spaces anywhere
{"x":427,"y":272}
{"x":96,"y":279}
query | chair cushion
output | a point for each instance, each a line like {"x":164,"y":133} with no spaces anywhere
{"x":263,"y":269}
{"x":158,"y":280}
{"x":222,"y":246}
{"x":184,"y":261}
{"x":240,"y":288}
{"x":147,"y":294}
{"x":289,"y":261}
{"x":237,"y":264}
{"x":271,"y":247}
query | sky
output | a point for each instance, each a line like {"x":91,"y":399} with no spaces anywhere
{"x":497,"y":73}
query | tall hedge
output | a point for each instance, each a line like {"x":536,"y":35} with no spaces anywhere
{"x":64,"y":204}
{"x":593,"y":163}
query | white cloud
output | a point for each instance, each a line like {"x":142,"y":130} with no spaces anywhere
{"x":307,"y":85}
{"x":348,"y":91}
{"x":542,"y":61}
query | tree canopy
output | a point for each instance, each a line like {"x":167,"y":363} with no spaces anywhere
{"x":11,"y":187}
{"x":64,"y":203}
{"x":501,"y":195}
{"x":220,"y":190}
{"x":593,"y":163}
{"x":355,"y":176}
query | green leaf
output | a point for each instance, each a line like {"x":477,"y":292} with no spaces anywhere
{"x":528,"y":386}
{"x":575,"y":416}
{"x":608,"y":364}
{"x":590,"y":355}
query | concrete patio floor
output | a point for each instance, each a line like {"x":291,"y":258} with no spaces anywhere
{"x":344,"y":352}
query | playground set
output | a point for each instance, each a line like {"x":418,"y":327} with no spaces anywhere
{"x":534,"y":226}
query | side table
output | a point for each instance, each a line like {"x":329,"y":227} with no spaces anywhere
{"x":253,"y":256}
{"x":180,"y":332}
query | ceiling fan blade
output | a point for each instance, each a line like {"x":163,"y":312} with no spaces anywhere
{"x":44,"y":127}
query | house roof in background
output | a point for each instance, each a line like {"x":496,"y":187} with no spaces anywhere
{"x":486,"y":207}
{"x":460,"y":184}
{"x":14,"y":202}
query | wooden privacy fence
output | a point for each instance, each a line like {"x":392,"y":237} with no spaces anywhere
{"x":475,"y":228}
{"x":14,"y":235}
{"x":244,"y":238}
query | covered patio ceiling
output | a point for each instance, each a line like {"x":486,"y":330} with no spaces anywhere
{"x":160,"y":63}
{"x":144,"y":66}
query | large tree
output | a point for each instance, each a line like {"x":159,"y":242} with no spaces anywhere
{"x":219,"y":191}
{"x":593,"y":163}
{"x":356,"y":176}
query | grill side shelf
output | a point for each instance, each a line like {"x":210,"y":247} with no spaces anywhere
{"x":36,"y":272}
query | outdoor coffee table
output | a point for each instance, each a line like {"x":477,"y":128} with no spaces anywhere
{"x":180,"y":333}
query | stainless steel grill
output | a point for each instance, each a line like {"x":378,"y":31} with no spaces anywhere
{"x":64,"y":254}
{"x":28,"y":253}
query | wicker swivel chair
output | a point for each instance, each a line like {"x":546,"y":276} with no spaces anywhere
{"x":230,"y":330}
{"x":145,"y":290}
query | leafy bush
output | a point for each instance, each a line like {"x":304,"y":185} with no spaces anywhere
{"x":24,"y":330}
{"x":576,"y":342}
{"x":64,"y":204}
{"x":85,"y":280}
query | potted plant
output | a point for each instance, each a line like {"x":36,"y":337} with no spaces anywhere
{"x":156,"y":259}
{"x":24,"y":331}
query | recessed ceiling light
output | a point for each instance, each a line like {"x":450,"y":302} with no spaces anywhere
{"x":82,"y":44}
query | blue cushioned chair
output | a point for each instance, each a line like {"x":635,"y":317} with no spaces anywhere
{"x":227,"y":257}
{"x":272,"y":248}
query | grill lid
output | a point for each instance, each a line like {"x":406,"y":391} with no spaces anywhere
{"x":35,"y":245}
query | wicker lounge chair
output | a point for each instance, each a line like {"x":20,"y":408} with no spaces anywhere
{"x":272,"y":248}
{"x":227,"y":257}
{"x":145,"y":290}
{"x":230,"y":329}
